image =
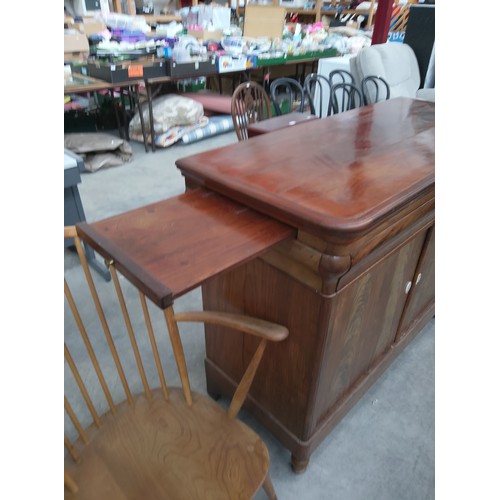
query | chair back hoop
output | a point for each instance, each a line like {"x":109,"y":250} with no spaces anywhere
{"x":249,"y":104}
{"x":340,"y":76}
{"x":317,"y":88}
{"x":345,"y":96}
{"x":374,"y":89}
{"x":287,"y":96}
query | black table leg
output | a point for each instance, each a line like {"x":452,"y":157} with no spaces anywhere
{"x":151,"y":122}
{"x":115,"y":107}
{"x":74,"y":213}
{"x":93,"y":262}
{"x":141,"y":116}
{"x":124,"y":113}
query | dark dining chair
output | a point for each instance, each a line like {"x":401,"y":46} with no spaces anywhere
{"x":287,"y":96}
{"x":317,"y":88}
{"x":249,"y":104}
{"x":345,"y":96}
{"x":340,"y":76}
{"x":374,"y":89}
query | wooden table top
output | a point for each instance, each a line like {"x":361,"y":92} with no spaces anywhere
{"x":278,"y":122}
{"x":333,"y":177}
{"x":170,"y":247}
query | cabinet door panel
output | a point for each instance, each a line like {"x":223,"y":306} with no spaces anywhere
{"x":422,"y":293}
{"x":365,"y":323}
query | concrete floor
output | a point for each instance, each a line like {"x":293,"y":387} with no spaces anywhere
{"x":382,"y":450}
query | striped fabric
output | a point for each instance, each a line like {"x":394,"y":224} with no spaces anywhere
{"x":219,"y":124}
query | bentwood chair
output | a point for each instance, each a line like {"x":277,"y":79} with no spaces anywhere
{"x":317,"y":89}
{"x":287,"y":95}
{"x":129,"y":435}
{"x":340,"y":76}
{"x":374,"y":89}
{"x":345,"y":96}
{"x":249,"y":104}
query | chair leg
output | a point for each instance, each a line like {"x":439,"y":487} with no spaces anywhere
{"x":269,"y":489}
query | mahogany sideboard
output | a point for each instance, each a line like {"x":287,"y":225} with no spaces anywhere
{"x":327,"y":228}
{"x":354,"y":285}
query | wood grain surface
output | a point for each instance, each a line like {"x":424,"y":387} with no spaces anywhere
{"x":126,"y":456}
{"x":340,"y":174}
{"x":170,"y":247}
{"x":278,"y":123}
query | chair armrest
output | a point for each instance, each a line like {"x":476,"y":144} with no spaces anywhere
{"x":69,"y":231}
{"x":254,"y":326}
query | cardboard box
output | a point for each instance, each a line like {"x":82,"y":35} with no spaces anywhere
{"x":75,"y":42}
{"x":125,"y":71}
{"x":90,"y":26}
{"x":227,"y":63}
{"x":263,"y":20}
{"x":206,"y":35}
{"x":70,"y":57}
{"x":191,"y":69}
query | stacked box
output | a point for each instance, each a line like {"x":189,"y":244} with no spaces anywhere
{"x":191,"y":69}
{"x":264,"y":21}
{"x":125,"y":71}
{"x":227,"y":63}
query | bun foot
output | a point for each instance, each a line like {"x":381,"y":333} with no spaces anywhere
{"x":299,"y":465}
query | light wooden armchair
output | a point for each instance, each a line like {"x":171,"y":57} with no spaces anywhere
{"x":152,"y":443}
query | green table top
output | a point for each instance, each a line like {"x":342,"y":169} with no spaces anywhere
{"x":289,"y":58}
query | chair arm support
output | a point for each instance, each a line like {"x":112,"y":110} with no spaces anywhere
{"x":246,"y":324}
{"x":69,"y":231}
{"x":254,"y":326}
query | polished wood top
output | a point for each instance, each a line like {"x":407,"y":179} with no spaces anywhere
{"x":168,"y":248}
{"x":278,"y":122}
{"x":336,"y":176}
